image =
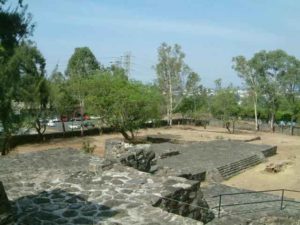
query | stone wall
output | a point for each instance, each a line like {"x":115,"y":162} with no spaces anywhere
{"x":65,"y":186}
{"x":137,"y":156}
{"x":141,"y":160}
{"x":6,"y":216}
{"x":185,"y":200}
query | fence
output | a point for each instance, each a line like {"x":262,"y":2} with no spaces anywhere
{"x":281,"y":199}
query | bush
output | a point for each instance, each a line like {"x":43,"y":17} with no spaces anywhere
{"x":87,"y":148}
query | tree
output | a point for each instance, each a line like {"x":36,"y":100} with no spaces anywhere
{"x":15,"y":26}
{"x":290,"y":84}
{"x":82,"y":63}
{"x":170,"y":71}
{"x":270,"y":74}
{"x":194,"y":103}
{"x":271,"y":66}
{"x":33,"y":91}
{"x":225,"y":104}
{"x":28,"y":66}
{"x":122,"y":104}
{"x":251,"y":78}
{"x":61,"y":100}
{"x":81,"y":66}
{"x":192,"y":84}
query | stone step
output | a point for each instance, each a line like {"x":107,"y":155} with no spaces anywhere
{"x":254,"y":157}
{"x":251,"y":158}
{"x":237,"y":170}
{"x":232,"y":169}
{"x":239,"y":165}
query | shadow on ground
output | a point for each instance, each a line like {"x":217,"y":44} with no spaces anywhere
{"x":59,"y":207}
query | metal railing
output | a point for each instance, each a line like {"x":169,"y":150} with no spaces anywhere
{"x":281,"y":199}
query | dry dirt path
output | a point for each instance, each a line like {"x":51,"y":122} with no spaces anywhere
{"x":188,"y":133}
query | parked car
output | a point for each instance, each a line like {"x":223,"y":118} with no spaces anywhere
{"x":51,"y":123}
{"x":56,"y":119}
{"x":291,"y":123}
{"x":88,"y":124}
{"x":43,"y":121}
{"x":74,"y":126}
{"x":76,"y":119}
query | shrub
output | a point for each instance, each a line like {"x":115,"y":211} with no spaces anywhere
{"x":87,"y":148}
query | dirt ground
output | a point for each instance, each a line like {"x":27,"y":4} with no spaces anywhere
{"x":255,"y":178}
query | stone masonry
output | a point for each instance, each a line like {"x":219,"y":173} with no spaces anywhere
{"x":65,"y":186}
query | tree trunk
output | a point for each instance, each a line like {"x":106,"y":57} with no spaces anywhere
{"x":272,"y":122}
{"x":126,"y":136}
{"x":292,"y":127}
{"x":170,"y":110}
{"x":63,"y":125}
{"x":81,"y":112}
{"x":40,"y":128}
{"x":227,"y":125}
{"x":6,"y":143}
{"x":170,"y":101}
{"x":255,"y":112}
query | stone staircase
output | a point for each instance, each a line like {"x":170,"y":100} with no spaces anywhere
{"x":234,"y":168}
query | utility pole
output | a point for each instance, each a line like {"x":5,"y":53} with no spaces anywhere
{"x":127,"y":63}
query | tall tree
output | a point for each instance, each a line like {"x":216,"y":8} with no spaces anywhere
{"x":81,"y":66}
{"x":33,"y":89}
{"x":61,"y":99}
{"x":271,"y":66}
{"x":290,"y":87}
{"x":225,"y":104}
{"x":170,"y":71}
{"x":82,"y":63}
{"x":251,"y":80}
{"x":15,"y":26}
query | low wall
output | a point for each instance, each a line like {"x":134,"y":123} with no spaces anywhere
{"x":270,"y":151}
{"x":185,"y":201}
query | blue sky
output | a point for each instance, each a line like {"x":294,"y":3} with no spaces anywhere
{"x":210,"y":32}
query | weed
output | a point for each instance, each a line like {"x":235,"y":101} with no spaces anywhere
{"x":87,"y":148}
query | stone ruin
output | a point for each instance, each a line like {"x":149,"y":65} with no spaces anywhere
{"x":141,"y":184}
{"x":66,"y":186}
{"x":212,"y":161}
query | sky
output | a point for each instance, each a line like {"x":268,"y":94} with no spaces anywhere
{"x":210,"y":32}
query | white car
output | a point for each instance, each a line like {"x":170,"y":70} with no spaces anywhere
{"x":51,"y":123}
{"x":74,"y":126}
{"x":56,"y":119}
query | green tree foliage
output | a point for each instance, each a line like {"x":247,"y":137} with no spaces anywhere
{"x":171,"y":71}
{"x":82,"y":63}
{"x":271,"y":74}
{"x":251,"y":78}
{"x":62,"y":101}
{"x":33,"y":90}
{"x":194,"y":103}
{"x":122,"y":104}
{"x":15,"y":26}
{"x":224,"y":104}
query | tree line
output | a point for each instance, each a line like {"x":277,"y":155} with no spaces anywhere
{"x":270,"y":80}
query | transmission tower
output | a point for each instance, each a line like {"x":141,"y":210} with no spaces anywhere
{"x":126,"y":62}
